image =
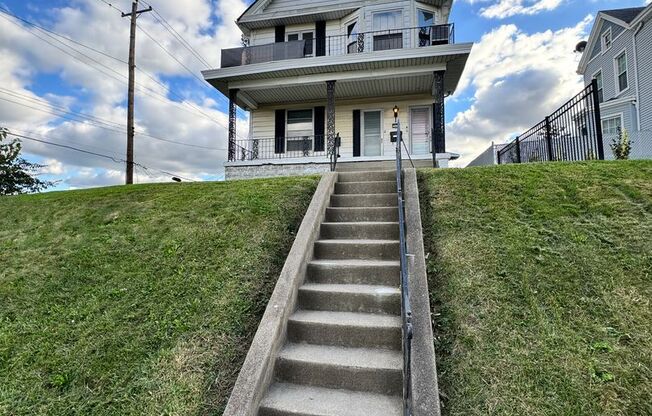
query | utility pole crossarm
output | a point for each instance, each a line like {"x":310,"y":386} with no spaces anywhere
{"x":130,"y":97}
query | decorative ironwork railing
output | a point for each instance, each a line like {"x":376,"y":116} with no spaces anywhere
{"x":364,"y":42}
{"x":572,"y":133}
{"x":288,"y":148}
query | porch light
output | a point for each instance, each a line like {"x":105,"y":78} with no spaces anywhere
{"x":396,"y":110}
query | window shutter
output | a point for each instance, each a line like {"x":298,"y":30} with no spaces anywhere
{"x":320,"y":34}
{"x":279,"y":132}
{"x":280,"y":34}
{"x":356,"y":133}
{"x":320,"y":118}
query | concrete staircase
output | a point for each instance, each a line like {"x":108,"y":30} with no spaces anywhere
{"x":343,"y":352}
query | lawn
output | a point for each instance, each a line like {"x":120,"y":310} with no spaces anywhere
{"x":138,"y":300}
{"x":541,"y":282}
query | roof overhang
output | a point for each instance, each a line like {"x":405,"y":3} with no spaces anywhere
{"x":597,"y":26}
{"x":256,"y":16}
{"x":383,"y":73}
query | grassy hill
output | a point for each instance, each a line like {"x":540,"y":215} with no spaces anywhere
{"x":541,"y":277}
{"x":139,"y":300}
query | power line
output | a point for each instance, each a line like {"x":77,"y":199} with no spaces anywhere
{"x":160,"y":19}
{"x":80,"y":117}
{"x":88,"y":152}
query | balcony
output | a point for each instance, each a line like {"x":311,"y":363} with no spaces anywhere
{"x":357,"y":43}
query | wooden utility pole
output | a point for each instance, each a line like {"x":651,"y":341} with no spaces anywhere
{"x":130,"y":98}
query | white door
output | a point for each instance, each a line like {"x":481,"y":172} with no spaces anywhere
{"x":420,"y":131}
{"x":372,"y":133}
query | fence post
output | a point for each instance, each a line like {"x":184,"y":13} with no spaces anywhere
{"x":598,"y":118}
{"x":518,"y":149}
{"x":549,"y":139}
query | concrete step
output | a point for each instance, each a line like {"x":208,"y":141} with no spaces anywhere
{"x":367,"y":176}
{"x":357,"y":249}
{"x":367,"y":272}
{"x":345,"y":329}
{"x":350,"y":298}
{"x":364,"y":200}
{"x":360,"y":230}
{"x":361,"y":369}
{"x":294,"y":400}
{"x":360,"y":214}
{"x":376,"y":187}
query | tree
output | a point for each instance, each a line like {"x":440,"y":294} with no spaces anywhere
{"x":622,"y":146}
{"x":17,"y":175}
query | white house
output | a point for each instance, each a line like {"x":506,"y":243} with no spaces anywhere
{"x":309,"y":71}
{"x":618,"y":55}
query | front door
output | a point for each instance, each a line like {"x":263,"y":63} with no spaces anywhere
{"x":420,"y":131}
{"x":372,"y":133}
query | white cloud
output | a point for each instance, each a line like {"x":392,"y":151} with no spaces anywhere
{"x":518,"y":79}
{"x":506,"y":8}
{"x":103,"y":95}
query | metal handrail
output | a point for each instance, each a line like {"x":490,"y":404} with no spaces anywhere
{"x":336,"y":152}
{"x":406,"y":308}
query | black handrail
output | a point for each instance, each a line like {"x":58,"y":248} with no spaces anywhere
{"x":335,"y":154}
{"x":406,"y":308}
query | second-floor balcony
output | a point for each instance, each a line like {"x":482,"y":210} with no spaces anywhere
{"x":354,"y":43}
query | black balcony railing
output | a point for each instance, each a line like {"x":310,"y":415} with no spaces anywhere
{"x":366,"y":42}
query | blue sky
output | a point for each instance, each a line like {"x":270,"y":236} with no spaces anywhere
{"x":522,"y":67}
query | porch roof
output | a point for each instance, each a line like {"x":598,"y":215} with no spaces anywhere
{"x":383,"y":73}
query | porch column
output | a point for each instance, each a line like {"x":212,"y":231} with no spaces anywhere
{"x":330,"y":116}
{"x":233,"y":94}
{"x":438,"y":120}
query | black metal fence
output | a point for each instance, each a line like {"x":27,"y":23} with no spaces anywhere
{"x":364,"y":42}
{"x":572,"y":133}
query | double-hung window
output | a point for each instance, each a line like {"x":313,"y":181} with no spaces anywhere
{"x":612,"y":126}
{"x":300,"y":131}
{"x":387,"y":30}
{"x":308,"y":37}
{"x":598,"y":78}
{"x":622,"y":83}
{"x":606,"y":40}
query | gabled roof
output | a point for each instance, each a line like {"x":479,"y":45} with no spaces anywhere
{"x":625,"y":15}
{"x":626,"y":18}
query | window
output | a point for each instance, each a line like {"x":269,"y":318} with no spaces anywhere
{"x":426,"y":23}
{"x":598,"y":78}
{"x":606,"y":40}
{"x":426,"y":19}
{"x":299,"y":130}
{"x":308,"y":37}
{"x":387,"y":26}
{"x":612,"y":126}
{"x":354,"y":43}
{"x":621,"y":72}
{"x":387,"y":20}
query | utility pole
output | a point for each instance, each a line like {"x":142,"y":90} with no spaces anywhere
{"x":130,"y":98}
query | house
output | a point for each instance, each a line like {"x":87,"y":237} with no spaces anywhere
{"x":313,"y":71}
{"x":618,"y":55}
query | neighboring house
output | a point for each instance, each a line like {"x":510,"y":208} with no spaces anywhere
{"x":488,"y":157}
{"x":619,"y":56}
{"x":309,"y":70}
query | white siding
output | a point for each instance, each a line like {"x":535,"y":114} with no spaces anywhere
{"x":644,"y":46}
{"x":263,"y":119}
{"x":605,"y":63}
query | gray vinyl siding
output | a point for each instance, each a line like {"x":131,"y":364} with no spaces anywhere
{"x":605,"y":63}
{"x":606,"y":25}
{"x":287,"y":6}
{"x":644,"y":46}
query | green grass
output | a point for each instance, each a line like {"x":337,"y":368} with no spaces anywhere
{"x":139,"y":300}
{"x":541,"y":282}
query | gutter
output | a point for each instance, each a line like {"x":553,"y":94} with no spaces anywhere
{"x":638,"y":92}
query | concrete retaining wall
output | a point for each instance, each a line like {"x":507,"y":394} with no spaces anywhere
{"x":270,"y":171}
{"x":425,"y":390}
{"x":257,"y":371}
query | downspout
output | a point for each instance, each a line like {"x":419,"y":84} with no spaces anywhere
{"x":638,"y":93}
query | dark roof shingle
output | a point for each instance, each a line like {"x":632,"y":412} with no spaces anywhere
{"x":626,"y":15}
